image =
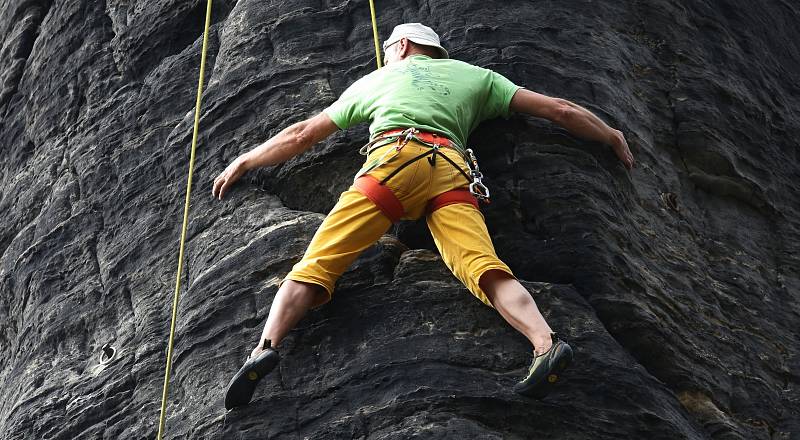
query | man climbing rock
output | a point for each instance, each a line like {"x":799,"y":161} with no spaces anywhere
{"x":422,"y":105}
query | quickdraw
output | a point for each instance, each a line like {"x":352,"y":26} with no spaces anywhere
{"x":477,"y":188}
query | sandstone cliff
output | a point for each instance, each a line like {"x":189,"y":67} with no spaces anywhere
{"x":677,"y":284}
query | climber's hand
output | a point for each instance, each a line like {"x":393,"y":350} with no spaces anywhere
{"x":232,"y":173}
{"x":620,"y":146}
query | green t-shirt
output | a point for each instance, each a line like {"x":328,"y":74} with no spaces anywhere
{"x":444,"y":96}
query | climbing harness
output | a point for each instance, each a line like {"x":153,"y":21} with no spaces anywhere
{"x":390,"y":205}
{"x":383,"y":197}
{"x":435,"y":142}
{"x":168,"y":369}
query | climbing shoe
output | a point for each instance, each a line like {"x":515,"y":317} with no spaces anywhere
{"x":240,"y":389}
{"x":545,"y":370}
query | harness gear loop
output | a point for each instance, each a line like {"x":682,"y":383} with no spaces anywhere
{"x":174,"y":319}
{"x":402,"y":139}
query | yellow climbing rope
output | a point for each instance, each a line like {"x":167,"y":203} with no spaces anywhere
{"x":168,"y":370}
{"x":162,"y":418}
{"x":375,"y":34}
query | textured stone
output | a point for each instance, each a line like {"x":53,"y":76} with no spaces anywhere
{"x":683,"y":315}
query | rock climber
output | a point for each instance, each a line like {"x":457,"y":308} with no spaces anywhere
{"x":422,"y":104}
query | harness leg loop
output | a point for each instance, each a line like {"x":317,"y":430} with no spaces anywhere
{"x":451,"y":197}
{"x":381,"y":196}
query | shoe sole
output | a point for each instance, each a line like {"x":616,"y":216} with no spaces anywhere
{"x":543,"y":388}
{"x":241,"y":388}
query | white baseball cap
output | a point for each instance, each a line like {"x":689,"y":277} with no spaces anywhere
{"x":418,"y":33}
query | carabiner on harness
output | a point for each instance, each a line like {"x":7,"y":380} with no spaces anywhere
{"x":476,"y":187}
{"x":409,"y":134}
{"x":402,"y":139}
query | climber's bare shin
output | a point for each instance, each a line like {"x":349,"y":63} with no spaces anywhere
{"x":291,"y":303}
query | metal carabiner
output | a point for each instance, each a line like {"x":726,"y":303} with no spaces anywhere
{"x":476,"y":187}
{"x":479,"y":190}
{"x":410,"y":132}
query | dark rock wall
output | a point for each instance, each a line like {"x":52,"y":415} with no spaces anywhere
{"x":683,"y":315}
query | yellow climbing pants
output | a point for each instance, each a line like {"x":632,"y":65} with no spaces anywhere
{"x":355,"y":223}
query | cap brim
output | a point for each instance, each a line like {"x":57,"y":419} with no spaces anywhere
{"x":442,"y":50}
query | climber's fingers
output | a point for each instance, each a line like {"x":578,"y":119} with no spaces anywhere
{"x":227,"y":178}
{"x":623,"y":152}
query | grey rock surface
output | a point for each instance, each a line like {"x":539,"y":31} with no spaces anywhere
{"x":683,"y":308}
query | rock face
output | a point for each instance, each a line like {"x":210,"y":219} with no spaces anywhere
{"x":677,"y":284}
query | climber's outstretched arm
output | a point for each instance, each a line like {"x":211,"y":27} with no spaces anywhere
{"x":285,"y":145}
{"x":576,"y":119}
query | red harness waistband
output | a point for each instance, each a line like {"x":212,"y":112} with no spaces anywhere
{"x":424,"y":136}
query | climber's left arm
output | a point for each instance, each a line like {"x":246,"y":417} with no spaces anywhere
{"x":576,"y":119}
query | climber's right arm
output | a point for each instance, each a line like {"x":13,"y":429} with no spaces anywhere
{"x":287,"y":144}
{"x":290,"y":142}
{"x":574,"y":118}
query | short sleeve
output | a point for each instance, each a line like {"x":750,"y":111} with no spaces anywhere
{"x":348,"y":110}
{"x":498,"y":98}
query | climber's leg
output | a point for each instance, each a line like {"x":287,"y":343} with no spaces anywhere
{"x":290,"y":305}
{"x":354,"y":224}
{"x":460,"y":234}
{"x":517,"y":307}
